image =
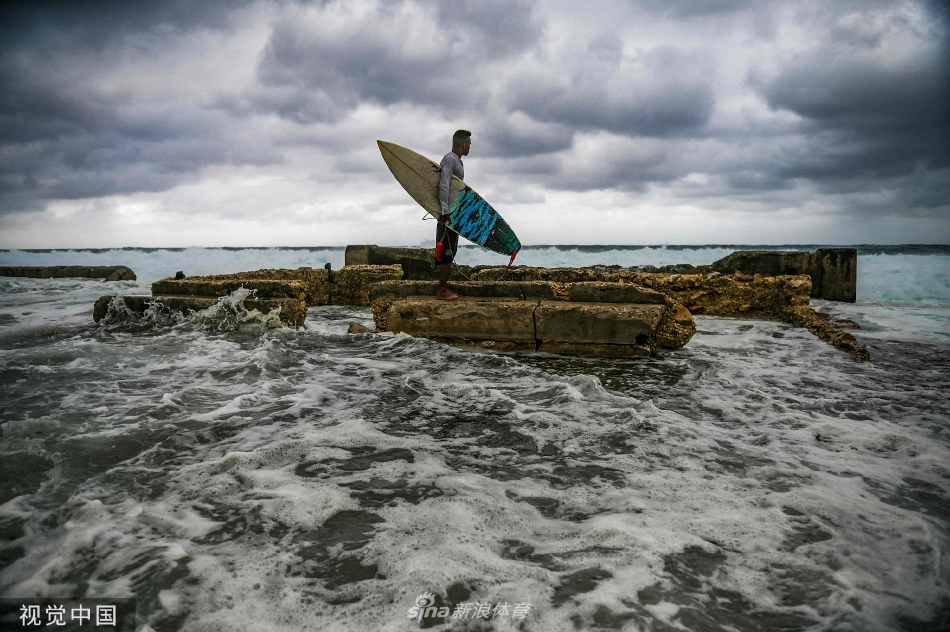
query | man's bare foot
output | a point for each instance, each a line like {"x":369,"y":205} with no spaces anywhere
{"x":448,"y":295}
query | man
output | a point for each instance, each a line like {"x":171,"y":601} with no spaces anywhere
{"x":451,"y":166}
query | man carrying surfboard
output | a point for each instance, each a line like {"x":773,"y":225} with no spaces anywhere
{"x":447,"y":240}
{"x":440,"y":190}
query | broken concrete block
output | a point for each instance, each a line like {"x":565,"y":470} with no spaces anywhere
{"x":472,"y":319}
{"x":216,"y":287}
{"x":313,"y":282}
{"x":350,"y":284}
{"x":834,"y":274}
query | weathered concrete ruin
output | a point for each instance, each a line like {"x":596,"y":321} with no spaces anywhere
{"x":781,"y":298}
{"x":108,"y":273}
{"x":600,"y":310}
{"x":833,"y":271}
{"x":595,"y":319}
{"x":761,"y":284}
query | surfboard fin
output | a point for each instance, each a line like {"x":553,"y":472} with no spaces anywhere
{"x":510,"y":261}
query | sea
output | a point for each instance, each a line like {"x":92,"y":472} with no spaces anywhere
{"x":231,"y":474}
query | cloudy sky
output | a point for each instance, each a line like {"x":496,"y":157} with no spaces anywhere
{"x":175,"y":123}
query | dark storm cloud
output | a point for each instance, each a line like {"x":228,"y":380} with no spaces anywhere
{"x":61,"y":138}
{"x":320,"y":63}
{"x":98,"y":22}
{"x":622,"y":169}
{"x":496,"y":28}
{"x":870,"y":115}
{"x":855,"y":99}
{"x":519,"y":135}
{"x":662,"y":92}
{"x":696,"y":8}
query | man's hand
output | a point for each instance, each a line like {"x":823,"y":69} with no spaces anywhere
{"x":443,"y":218}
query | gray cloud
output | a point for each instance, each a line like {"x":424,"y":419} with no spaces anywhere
{"x":849,"y":99}
{"x":322,"y":62}
{"x":97,"y":23}
{"x":62,"y":138}
{"x":869,"y":113}
{"x":518,"y":135}
{"x":661,"y":92}
{"x":696,"y":8}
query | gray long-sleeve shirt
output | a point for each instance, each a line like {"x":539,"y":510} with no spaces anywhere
{"x":451,"y":165}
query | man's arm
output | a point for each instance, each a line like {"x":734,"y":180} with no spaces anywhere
{"x":444,"y":181}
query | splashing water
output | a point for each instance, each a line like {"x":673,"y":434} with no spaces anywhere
{"x":231,"y":475}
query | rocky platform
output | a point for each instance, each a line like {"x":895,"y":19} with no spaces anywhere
{"x":783,"y":298}
{"x":595,"y":319}
{"x":833,"y":271}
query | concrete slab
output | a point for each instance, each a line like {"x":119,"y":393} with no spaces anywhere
{"x":538,"y":290}
{"x":597,"y":323}
{"x":598,"y":292}
{"x":497,"y":319}
{"x":216,"y":287}
{"x":313,"y":281}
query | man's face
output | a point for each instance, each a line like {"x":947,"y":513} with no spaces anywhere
{"x":465,"y":146}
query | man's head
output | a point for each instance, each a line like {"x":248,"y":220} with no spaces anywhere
{"x":461,"y":142}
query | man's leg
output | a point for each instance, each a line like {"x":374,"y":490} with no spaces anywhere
{"x":445,"y":235}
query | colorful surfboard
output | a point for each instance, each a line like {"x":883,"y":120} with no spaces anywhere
{"x":469,"y":215}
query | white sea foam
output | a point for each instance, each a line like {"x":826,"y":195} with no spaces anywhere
{"x":225,"y":477}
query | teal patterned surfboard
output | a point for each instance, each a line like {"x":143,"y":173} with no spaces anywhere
{"x":469,"y":214}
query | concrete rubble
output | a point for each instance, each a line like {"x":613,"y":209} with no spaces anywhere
{"x":600,"y":310}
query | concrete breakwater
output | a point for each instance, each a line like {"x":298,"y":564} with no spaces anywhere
{"x":759,"y":284}
{"x":782,"y":297}
{"x":596,"y":319}
{"x":108,"y":273}
{"x":833,"y":271}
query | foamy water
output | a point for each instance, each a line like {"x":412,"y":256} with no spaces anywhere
{"x":234,"y":476}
